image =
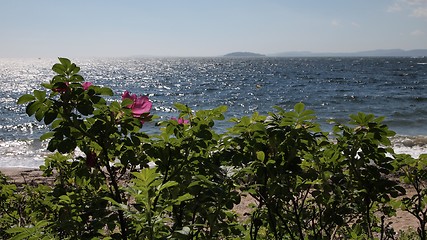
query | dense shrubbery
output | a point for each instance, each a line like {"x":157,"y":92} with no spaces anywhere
{"x":112,"y":181}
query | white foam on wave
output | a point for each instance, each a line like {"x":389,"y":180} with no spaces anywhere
{"x":412,"y":145}
{"x":22,"y":153}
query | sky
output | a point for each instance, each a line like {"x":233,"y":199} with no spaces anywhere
{"x":111,"y":28}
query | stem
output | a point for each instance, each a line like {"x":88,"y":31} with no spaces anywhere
{"x":297,"y":217}
{"x":149,"y":217}
{"x":334,"y":232}
{"x":272,"y":223}
{"x":422,"y":218}
{"x":165,"y":177}
{"x":193,"y":220}
{"x":115,"y":192}
{"x":251,"y":231}
{"x":117,"y":198}
{"x":265,"y":198}
{"x":285,"y":223}
{"x":368,"y":217}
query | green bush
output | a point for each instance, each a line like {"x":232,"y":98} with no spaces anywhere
{"x":113,"y":181}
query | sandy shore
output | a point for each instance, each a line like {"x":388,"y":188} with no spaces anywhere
{"x":24,"y":175}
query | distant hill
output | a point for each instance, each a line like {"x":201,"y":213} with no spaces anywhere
{"x":243,"y":54}
{"x":372,"y":53}
{"x":394,"y":52}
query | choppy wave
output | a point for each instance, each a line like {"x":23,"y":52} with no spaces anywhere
{"x":412,"y":145}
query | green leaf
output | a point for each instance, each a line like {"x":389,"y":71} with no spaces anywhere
{"x":49,"y":117}
{"x":146,"y":176}
{"x":307,"y":113}
{"x":70,"y":68}
{"x":59,"y":69}
{"x":41,"y":224}
{"x":260,"y":155}
{"x":270,"y":162}
{"x":126,"y":102}
{"x":185,"y":231}
{"x":167,"y":185}
{"x":205,"y":134}
{"x":64,"y":199}
{"x":76,"y":78}
{"x":33,"y":107}
{"x":24,"y":233}
{"x":105,"y":91}
{"x":114,"y":202}
{"x":40,"y":95}
{"x":181,"y":107}
{"x":15,"y":230}
{"x":66,"y":146}
{"x":96,"y":99}
{"x":47,"y":136}
{"x":58,"y":79}
{"x":46,"y":85}
{"x":40,"y":113}
{"x":56,"y":123}
{"x":76,"y":69}
{"x":257,"y":127}
{"x":85,"y":108}
{"x":25,"y":98}
{"x":65,"y":61}
{"x":299,"y":107}
{"x":221,"y":109}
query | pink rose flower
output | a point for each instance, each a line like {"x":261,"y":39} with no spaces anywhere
{"x":141,"y":105}
{"x":86,"y":85}
{"x":181,"y":121}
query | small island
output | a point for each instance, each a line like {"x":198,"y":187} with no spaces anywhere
{"x":243,"y":54}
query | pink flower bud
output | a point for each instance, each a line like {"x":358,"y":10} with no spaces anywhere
{"x":181,"y":121}
{"x":86,"y":85}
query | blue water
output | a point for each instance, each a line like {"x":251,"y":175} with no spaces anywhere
{"x":334,"y":87}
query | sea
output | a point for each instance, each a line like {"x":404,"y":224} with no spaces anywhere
{"x":334,"y":87}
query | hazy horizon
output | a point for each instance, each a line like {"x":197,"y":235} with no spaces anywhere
{"x":192,"y":28}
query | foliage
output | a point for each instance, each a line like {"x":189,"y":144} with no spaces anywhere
{"x":415,"y":173}
{"x":113,"y":181}
{"x":367,"y":170}
{"x":410,"y":234}
{"x":23,"y":212}
{"x":189,"y":154}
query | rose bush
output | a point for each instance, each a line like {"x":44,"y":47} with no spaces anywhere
{"x":187,"y":181}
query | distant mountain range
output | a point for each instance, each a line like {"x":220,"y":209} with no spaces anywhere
{"x":372,"y":53}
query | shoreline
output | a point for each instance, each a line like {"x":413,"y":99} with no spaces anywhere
{"x":30,"y":154}
{"x":22,"y":175}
